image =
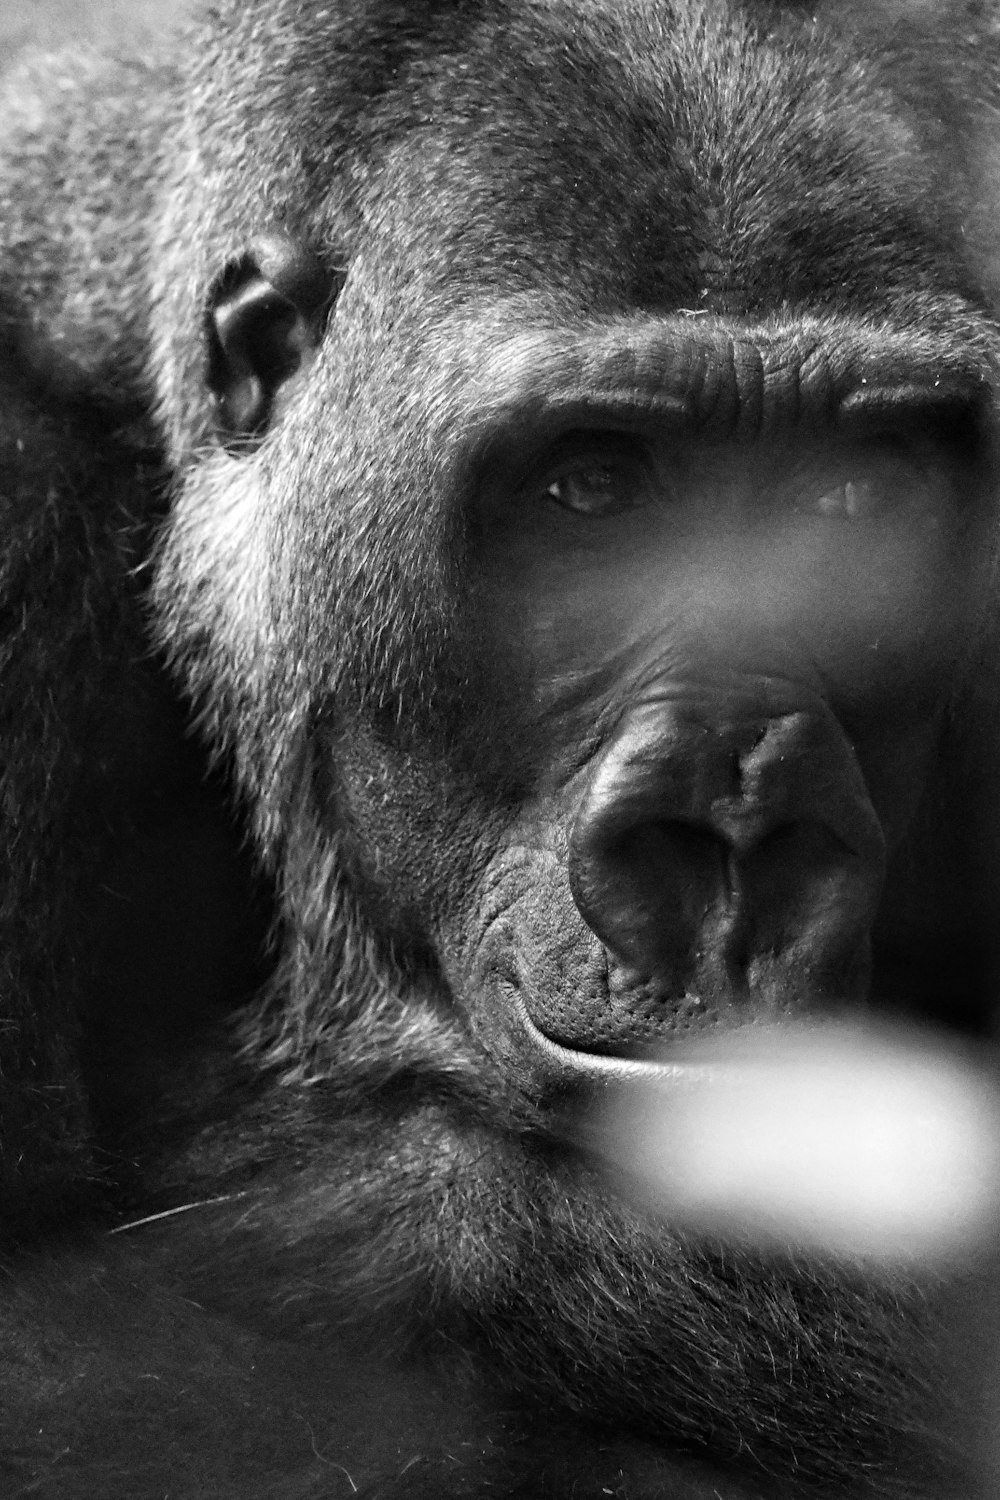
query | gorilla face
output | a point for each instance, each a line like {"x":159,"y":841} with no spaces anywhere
{"x":583,"y":524}
{"x":735,"y":650}
{"x":709,"y":668}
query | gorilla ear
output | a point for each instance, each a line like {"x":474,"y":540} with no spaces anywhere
{"x":265,"y":320}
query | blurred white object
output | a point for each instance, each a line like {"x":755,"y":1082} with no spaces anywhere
{"x":856,"y":1142}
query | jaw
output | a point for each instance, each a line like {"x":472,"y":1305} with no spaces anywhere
{"x":470,"y":1204}
{"x":525,"y":1251}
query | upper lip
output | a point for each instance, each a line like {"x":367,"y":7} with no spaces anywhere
{"x":603,"y":1067}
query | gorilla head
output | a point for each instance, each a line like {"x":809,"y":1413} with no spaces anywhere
{"x":581,"y":420}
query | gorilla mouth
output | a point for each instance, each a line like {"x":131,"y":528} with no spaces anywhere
{"x":641,"y":1064}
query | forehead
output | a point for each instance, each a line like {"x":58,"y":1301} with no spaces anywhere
{"x":648,"y":155}
{"x":730,"y":157}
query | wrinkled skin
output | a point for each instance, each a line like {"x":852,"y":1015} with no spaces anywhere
{"x":568,"y":507}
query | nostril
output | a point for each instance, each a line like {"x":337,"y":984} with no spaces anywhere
{"x":661,"y":891}
{"x":798,"y":875}
{"x":667,"y":845}
{"x":647,"y":890}
{"x":805,"y":845}
{"x":696,"y":886}
{"x":778,"y":842}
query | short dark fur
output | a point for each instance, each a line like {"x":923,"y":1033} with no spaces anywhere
{"x":468,"y":178}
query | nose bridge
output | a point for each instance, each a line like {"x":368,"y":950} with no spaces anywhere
{"x":741,"y":604}
{"x":755,"y":772}
{"x":729,"y":776}
{"x":738,"y":770}
{"x":666,"y":763}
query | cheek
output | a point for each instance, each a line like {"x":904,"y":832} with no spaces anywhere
{"x":416,"y":833}
{"x":520,"y":936}
{"x":213,"y":577}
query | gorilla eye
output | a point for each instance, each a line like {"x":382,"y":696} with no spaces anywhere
{"x":597,"y":491}
{"x":856,"y":498}
{"x":603,"y":483}
{"x":863,"y":486}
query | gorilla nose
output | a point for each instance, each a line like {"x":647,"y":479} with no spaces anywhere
{"x":721,"y":861}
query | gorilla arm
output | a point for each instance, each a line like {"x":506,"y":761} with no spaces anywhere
{"x":113,"y":840}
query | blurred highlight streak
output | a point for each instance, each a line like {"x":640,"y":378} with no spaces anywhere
{"x":860,"y":1142}
{"x":864,"y":1145}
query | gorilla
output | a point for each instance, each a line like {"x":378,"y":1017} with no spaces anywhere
{"x":496,"y":592}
